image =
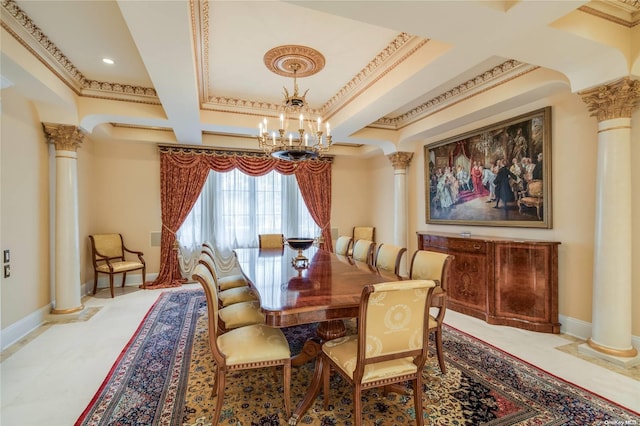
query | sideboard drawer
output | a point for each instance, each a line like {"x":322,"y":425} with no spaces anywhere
{"x":471,"y":246}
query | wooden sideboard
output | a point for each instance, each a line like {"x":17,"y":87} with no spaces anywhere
{"x":501,"y":281}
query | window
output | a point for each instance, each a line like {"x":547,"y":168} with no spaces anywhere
{"x":234,"y":208}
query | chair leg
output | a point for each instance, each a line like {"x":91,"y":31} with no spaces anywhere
{"x":111,"y":285}
{"x":219,"y":390}
{"x":326,"y":375}
{"x":357,"y":405}
{"x":417,"y":399}
{"x":440,"y":351}
{"x":144,"y":277}
{"x":286,"y":372}
{"x":95,"y":283}
{"x":124,"y":278}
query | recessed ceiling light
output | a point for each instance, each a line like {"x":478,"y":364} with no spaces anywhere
{"x":108,"y":61}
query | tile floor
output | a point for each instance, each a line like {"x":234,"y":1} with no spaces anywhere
{"x":50,"y":376}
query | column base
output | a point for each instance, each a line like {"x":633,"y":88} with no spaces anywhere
{"x":620,"y":361}
{"x":67,"y":311}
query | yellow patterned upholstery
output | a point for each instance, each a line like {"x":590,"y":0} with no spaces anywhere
{"x":224,"y":283}
{"x":388,"y":257}
{"x":241,"y":307}
{"x":431,"y":265}
{"x":236,"y":290}
{"x":240,"y":315}
{"x":391,"y":344}
{"x":270,"y":241}
{"x":108,"y":257}
{"x":237,"y":295}
{"x":363,"y":251}
{"x":343,"y":243}
{"x":253,"y":346}
{"x":364,"y":233}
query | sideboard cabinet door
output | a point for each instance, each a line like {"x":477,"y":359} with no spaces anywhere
{"x":526,"y":286}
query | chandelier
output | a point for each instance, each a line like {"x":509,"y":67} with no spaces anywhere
{"x":298,"y":135}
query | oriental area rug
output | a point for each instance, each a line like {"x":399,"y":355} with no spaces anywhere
{"x":165,"y":374}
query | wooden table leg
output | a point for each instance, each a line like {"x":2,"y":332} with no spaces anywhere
{"x":310,"y":351}
{"x":311,"y":395}
{"x":328,"y":330}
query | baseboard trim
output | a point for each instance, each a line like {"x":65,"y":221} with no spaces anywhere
{"x":582,"y":330}
{"x":103,"y":282}
{"x":19,"y":329}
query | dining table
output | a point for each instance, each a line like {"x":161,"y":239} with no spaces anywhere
{"x":325,"y":290}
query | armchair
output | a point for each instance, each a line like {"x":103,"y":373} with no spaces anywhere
{"x":108,"y":257}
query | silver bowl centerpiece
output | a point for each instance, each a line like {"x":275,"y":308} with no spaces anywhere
{"x":300,"y":244}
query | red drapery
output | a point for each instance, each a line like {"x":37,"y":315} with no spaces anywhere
{"x":183,"y":172}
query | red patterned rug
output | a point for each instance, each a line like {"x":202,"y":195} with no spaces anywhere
{"x":165,"y":374}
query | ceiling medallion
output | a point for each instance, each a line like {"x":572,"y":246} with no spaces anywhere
{"x":282,"y":60}
{"x":310,"y":139}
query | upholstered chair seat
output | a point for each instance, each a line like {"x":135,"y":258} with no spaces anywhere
{"x":117,"y":267}
{"x":343,"y":352}
{"x":237,"y":295}
{"x":231,"y":281}
{"x":240,"y":315}
{"x":253,"y":344}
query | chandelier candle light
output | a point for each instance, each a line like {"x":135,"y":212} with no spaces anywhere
{"x":311,"y":140}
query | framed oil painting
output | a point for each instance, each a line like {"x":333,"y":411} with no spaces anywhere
{"x":499,"y":175}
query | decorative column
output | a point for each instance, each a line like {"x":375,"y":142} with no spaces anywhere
{"x":400,"y":162}
{"x":613,"y":105}
{"x":66,"y":139}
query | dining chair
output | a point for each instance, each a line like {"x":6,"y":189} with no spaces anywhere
{"x":271,"y":241}
{"x":229,"y":295}
{"x":108,"y":256}
{"x":343,"y":243}
{"x":226,"y":265}
{"x":364,"y":233}
{"x":388,"y":257}
{"x":224,"y":281}
{"x":238,"y":314}
{"x":250,"y":347}
{"x":431,"y":265}
{"x":363,"y":251}
{"x":390,"y":346}
{"x":361,"y":233}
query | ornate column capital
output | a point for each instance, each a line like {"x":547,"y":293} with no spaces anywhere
{"x":615,"y":100}
{"x":64,"y":136}
{"x":400,"y":160}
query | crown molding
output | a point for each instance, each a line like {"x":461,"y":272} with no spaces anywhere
{"x":17,"y":23}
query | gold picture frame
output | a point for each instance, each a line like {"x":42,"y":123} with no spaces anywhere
{"x":498,"y":175}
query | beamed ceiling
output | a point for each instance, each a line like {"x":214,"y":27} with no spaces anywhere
{"x":193,"y":72}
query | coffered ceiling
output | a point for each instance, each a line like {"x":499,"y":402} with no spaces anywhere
{"x":193,"y":72}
